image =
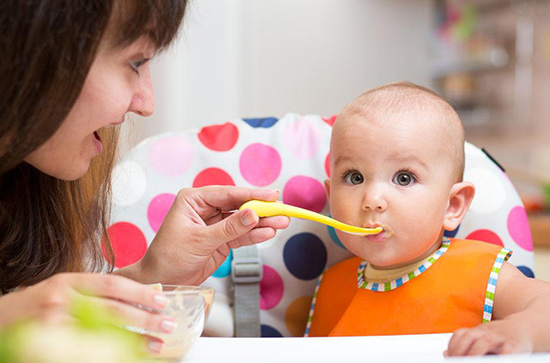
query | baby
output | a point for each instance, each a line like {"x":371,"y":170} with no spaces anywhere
{"x":396,"y":161}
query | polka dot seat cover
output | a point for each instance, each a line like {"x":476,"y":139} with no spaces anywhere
{"x":290,"y":154}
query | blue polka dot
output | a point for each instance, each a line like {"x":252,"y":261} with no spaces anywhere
{"x":334,"y":236}
{"x":225,"y":267}
{"x":526,"y":271}
{"x":451,"y":234}
{"x":270,"y":332}
{"x":261,"y":122}
{"x":305,"y":256}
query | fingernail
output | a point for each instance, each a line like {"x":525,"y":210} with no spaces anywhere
{"x":248,"y":218}
{"x":154,"y":346}
{"x":168,"y":326}
{"x":161,"y":300}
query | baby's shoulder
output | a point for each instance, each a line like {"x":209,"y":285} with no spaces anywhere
{"x":514,"y":291}
{"x":511,"y":277}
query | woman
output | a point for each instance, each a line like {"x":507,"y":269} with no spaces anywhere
{"x":70,"y":72}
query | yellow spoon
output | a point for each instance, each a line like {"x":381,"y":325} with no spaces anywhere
{"x":269,"y":209}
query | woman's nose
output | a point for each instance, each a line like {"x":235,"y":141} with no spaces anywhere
{"x":143,"y":99}
{"x":374,"y":200}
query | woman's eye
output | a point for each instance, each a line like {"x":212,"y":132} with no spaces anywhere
{"x":353,"y":178}
{"x":137,"y":64}
{"x":403,"y":179}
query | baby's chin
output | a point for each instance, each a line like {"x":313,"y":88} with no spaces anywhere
{"x":383,"y":261}
{"x":388,"y":265}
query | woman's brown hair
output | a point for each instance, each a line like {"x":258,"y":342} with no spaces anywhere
{"x":47,"y":47}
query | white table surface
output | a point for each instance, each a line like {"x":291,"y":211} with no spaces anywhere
{"x":384,"y":349}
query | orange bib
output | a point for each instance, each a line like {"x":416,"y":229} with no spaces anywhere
{"x":448,"y":295}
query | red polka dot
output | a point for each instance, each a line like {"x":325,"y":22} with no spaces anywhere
{"x":327,"y":164}
{"x":219,"y":137}
{"x":330,"y":120}
{"x":486,"y":236}
{"x":212,"y":176}
{"x":129,"y":243}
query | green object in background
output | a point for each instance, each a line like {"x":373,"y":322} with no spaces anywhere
{"x":466,"y":27}
{"x":92,"y":337}
{"x":546,"y":193}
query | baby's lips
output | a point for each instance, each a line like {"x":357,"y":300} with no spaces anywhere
{"x":385,"y":229}
{"x":372,"y":225}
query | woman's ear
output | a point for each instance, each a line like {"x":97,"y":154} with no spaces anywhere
{"x":460,"y":197}
{"x":327,"y":188}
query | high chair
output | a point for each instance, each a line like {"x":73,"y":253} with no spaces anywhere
{"x":291,"y":154}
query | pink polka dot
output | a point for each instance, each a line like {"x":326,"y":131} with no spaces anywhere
{"x":260,"y":164}
{"x":129,"y":243}
{"x":212,"y":176}
{"x":486,"y":236}
{"x":330,"y":120}
{"x":171,"y":155}
{"x":518,"y":227}
{"x":327,"y":164}
{"x":158,"y":209}
{"x":302,"y":138}
{"x":219,"y":137}
{"x":271,"y":288}
{"x":305,"y":192}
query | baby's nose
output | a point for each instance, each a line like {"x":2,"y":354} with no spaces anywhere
{"x":375,"y":201}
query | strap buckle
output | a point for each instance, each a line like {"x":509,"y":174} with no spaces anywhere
{"x":245,"y":270}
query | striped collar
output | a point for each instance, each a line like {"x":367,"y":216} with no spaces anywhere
{"x":363,"y":283}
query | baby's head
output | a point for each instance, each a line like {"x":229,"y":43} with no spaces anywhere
{"x":396,"y":160}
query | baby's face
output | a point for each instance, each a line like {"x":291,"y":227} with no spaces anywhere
{"x":391,"y":173}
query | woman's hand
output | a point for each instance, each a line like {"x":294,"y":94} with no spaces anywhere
{"x":199,"y":231}
{"x":497,"y":337}
{"x":50,"y":302}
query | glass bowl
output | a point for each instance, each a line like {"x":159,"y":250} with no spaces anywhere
{"x":189,"y":306}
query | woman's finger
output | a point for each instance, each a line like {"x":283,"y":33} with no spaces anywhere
{"x":232,"y":227}
{"x":118,"y":288}
{"x":257,"y":235}
{"x":277,"y":222}
{"x":224,"y":197}
{"x":154,"y":344}
{"x":134,"y":316}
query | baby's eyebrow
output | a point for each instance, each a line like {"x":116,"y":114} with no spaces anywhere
{"x":410,"y":159}
{"x":342,"y":158}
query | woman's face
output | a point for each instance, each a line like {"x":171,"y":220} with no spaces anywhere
{"x":119,"y":82}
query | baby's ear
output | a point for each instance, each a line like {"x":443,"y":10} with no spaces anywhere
{"x":460,"y":197}
{"x":327,"y":188}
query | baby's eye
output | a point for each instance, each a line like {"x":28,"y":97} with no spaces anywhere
{"x":404,"y":178}
{"x":353,"y":177}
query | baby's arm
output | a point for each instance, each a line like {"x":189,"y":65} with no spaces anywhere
{"x":521,"y":319}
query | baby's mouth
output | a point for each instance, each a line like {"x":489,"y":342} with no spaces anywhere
{"x":387,"y":232}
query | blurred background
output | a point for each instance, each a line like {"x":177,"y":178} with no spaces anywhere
{"x":256,"y":58}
